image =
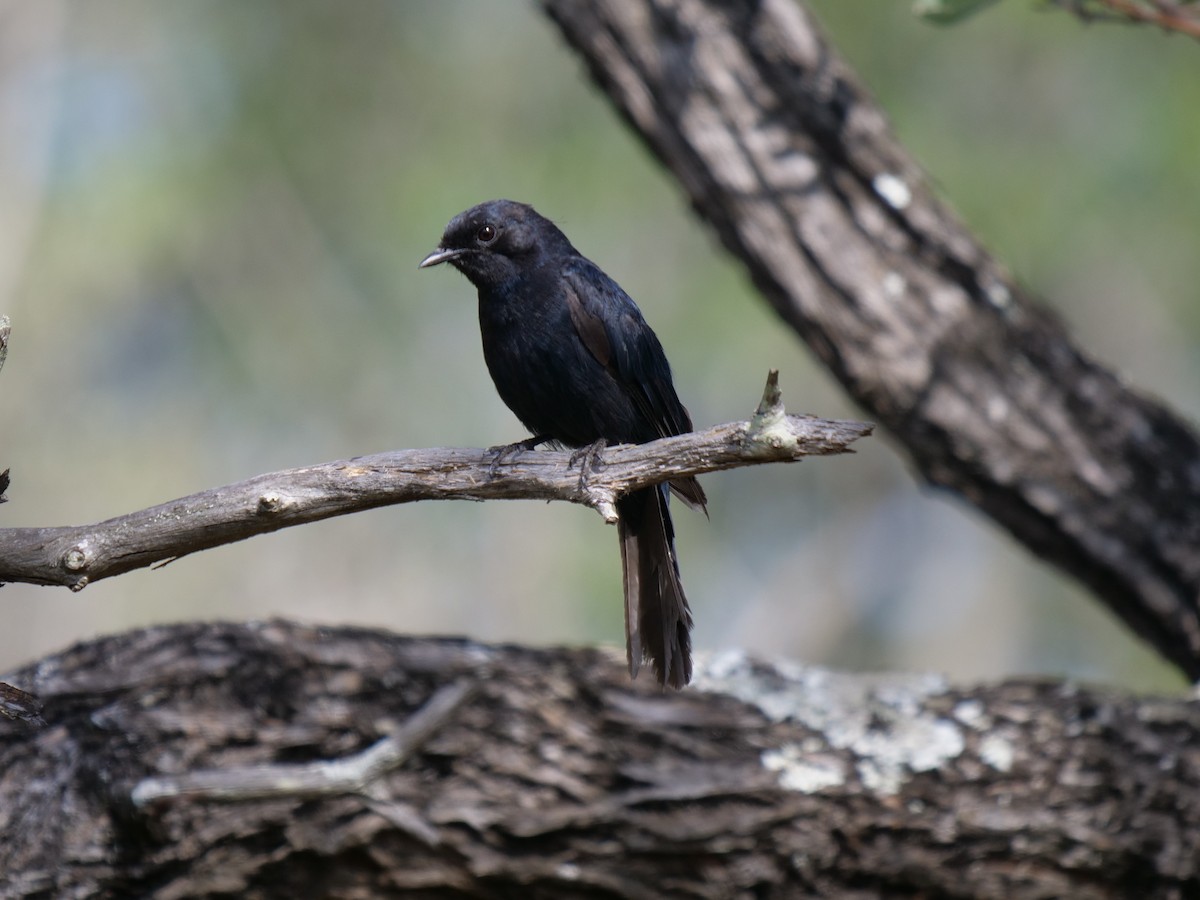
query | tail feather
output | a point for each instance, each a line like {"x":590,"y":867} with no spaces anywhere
{"x":658,"y":621}
{"x":689,"y":491}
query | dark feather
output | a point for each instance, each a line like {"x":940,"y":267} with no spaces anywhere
{"x":658,"y":620}
{"x":572,"y":356}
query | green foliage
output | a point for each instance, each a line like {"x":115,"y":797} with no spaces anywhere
{"x":948,"y":12}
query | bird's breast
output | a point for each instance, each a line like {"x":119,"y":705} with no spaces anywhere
{"x":540,"y":369}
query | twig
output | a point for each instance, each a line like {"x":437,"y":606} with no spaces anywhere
{"x":75,"y":556}
{"x":20,"y":706}
{"x":351,"y":775}
{"x":1168,"y":16}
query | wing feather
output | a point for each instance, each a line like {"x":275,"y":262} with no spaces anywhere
{"x":613,"y":330}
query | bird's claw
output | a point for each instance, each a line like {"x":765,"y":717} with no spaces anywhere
{"x":588,"y":458}
{"x":501,"y":453}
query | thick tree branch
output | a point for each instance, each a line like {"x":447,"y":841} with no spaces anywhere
{"x":558,"y":778}
{"x":75,"y":556}
{"x":787,"y":156}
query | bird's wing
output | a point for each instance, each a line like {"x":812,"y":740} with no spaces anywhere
{"x":611,"y":326}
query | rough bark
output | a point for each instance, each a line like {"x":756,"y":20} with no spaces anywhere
{"x":551,"y":775}
{"x":77,"y":555}
{"x":783,"y":152}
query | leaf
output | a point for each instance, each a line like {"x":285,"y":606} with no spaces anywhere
{"x":947,"y":12}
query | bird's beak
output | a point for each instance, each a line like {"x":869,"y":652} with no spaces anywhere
{"x":438,"y":256}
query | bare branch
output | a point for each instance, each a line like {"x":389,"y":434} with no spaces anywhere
{"x":1165,"y":14}
{"x":20,"y":706}
{"x":351,"y":775}
{"x":75,"y":556}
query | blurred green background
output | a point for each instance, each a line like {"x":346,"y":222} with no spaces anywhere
{"x":210,"y":219}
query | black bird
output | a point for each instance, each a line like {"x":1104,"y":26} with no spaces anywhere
{"x":572,"y":356}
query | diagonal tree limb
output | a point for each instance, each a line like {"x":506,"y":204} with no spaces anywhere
{"x":784,"y":153}
{"x":75,"y":556}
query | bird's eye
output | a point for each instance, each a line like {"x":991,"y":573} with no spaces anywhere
{"x":486,"y":234}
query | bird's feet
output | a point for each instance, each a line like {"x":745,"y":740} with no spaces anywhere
{"x":504,"y":452}
{"x":588,"y":458}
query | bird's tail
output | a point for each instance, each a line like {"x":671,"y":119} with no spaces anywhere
{"x":658,"y":622}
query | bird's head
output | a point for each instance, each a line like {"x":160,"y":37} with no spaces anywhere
{"x":492,"y":242}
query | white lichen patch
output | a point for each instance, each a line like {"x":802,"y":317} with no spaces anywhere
{"x":894,"y":284}
{"x":889,"y":755}
{"x":893,"y":190}
{"x":771,"y":430}
{"x":998,"y":295}
{"x":879,"y":719}
{"x":803,"y":771}
{"x":997,"y":752}
{"x":972,"y":714}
